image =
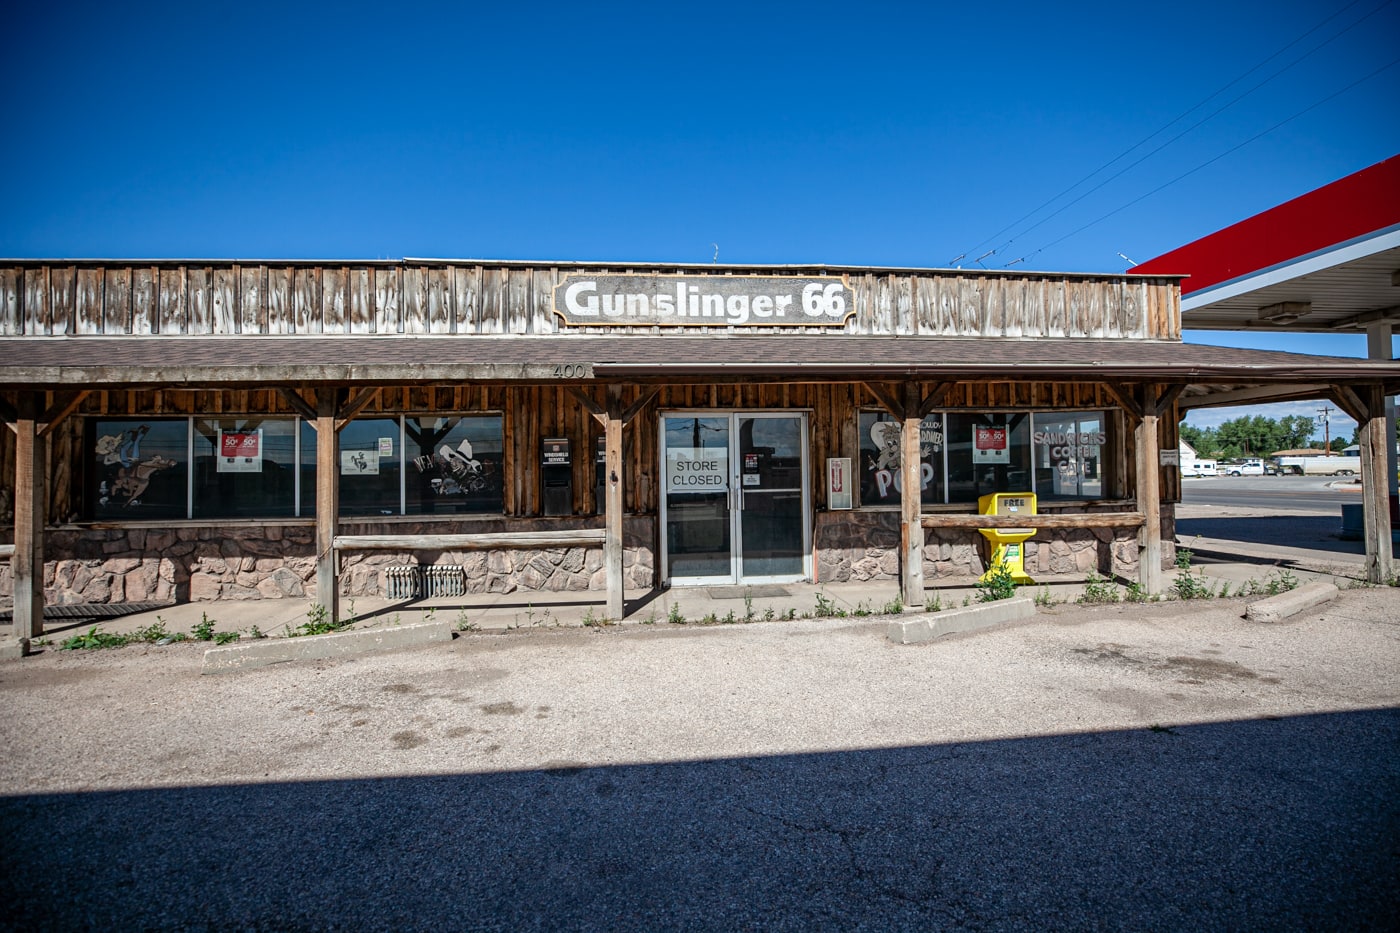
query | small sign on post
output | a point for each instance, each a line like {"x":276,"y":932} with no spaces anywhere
{"x":838,"y":483}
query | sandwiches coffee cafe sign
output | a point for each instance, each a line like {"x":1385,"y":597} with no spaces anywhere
{"x":703,"y":301}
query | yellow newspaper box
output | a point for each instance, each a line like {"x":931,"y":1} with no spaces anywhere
{"x":1007,"y":542}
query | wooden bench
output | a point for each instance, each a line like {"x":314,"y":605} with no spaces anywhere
{"x":1052,"y":520}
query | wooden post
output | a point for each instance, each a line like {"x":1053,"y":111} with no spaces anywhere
{"x":27,"y":565}
{"x":911,"y":529}
{"x":1375,"y":487}
{"x":1149,"y":494}
{"x":327,"y":503}
{"x":612,"y":542}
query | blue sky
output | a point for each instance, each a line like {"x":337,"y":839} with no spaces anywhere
{"x":881,"y":133}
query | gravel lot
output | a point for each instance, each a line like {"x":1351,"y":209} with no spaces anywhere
{"x":1167,"y":766}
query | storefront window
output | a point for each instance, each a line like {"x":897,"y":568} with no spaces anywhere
{"x":881,"y":482}
{"x":371,"y":452}
{"x":244,"y":468}
{"x":418,"y":465}
{"x":1068,"y":455}
{"x":140,"y":468}
{"x":988,"y":453}
{"x":455,"y":464}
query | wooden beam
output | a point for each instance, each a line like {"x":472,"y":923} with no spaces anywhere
{"x":1375,"y":488}
{"x":63,"y":406}
{"x":636,"y":407}
{"x":935,"y":399}
{"x":911,"y":530}
{"x":1149,"y":499}
{"x":888,"y":397}
{"x":298,"y":404}
{"x":599,"y":413}
{"x":1376,"y":316}
{"x":1165,"y":399}
{"x":579,"y":537}
{"x":1349,"y":401}
{"x":1253,"y":394}
{"x":1126,"y":400}
{"x":613,"y":507}
{"x":327,"y":503}
{"x":1052,"y":520}
{"x":27,"y":564}
{"x":356,"y":404}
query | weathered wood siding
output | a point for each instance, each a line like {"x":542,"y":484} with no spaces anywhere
{"x":530,"y":413}
{"x":443,"y":298}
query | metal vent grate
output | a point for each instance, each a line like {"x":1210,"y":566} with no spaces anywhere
{"x":446,"y":580}
{"x":401,"y":582}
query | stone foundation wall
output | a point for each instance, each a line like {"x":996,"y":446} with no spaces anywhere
{"x":860,"y":546}
{"x":206,"y":563}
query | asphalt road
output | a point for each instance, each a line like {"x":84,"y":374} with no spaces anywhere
{"x":1282,"y":493}
{"x":1148,"y":767}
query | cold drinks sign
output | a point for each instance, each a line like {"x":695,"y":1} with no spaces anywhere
{"x":703,"y":300}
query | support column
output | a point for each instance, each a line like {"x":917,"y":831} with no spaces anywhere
{"x":1376,"y":468}
{"x":1380,"y":346}
{"x":327,"y":503}
{"x":911,"y":529}
{"x":1149,"y":494}
{"x":613,"y":519}
{"x":27,"y":565}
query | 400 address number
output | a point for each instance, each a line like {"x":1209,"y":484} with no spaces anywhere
{"x":572,"y":371}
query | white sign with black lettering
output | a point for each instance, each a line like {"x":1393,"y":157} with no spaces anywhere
{"x":697,"y":469}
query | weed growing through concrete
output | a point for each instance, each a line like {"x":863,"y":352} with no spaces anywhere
{"x":319,"y":622}
{"x":593,"y":621}
{"x":674,"y":616}
{"x":827,"y":609}
{"x":998,"y":584}
{"x":894,"y":607}
{"x":464,"y":624}
{"x":1136,"y":594}
{"x":1044,"y":598}
{"x":934,"y":603}
{"x":748,"y":607}
{"x":1098,"y":590}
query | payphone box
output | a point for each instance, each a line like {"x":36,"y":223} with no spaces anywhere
{"x":557,"y":476}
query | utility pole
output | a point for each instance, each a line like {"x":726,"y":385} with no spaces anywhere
{"x":1324,"y":415}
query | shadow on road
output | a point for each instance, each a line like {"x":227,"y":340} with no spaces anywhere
{"x":1273,"y":824}
{"x":1314,"y":532}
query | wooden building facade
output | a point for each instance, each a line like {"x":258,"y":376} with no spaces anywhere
{"x":225,"y":430}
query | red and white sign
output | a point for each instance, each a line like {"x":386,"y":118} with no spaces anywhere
{"x":240,"y":451}
{"x":838,"y":483}
{"x":990,"y":444}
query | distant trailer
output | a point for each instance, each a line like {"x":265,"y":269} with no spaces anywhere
{"x":1319,"y":466}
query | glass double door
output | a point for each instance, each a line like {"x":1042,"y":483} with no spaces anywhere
{"x":736,"y":502}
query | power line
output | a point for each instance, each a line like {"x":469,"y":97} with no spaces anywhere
{"x":1173,"y":122}
{"x":1193,"y":126}
{"x":1217,"y":158}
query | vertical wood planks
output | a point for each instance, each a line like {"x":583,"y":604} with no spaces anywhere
{"x":197,"y":298}
{"x":116,"y":301}
{"x":387,"y":301}
{"x":466,"y":298}
{"x":62,"y":283}
{"x":334,"y":319}
{"x":87,"y":301}
{"x":441,"y":319}
{"x":171,"y":315}
{"x":144,"y":284}
{"x":306,"y":300}
{"x":11,"y":295}
{"x":361,"y":301}
{"x":252,"y":297}
{"x":280,"y":319}
{"x":415,"y":300}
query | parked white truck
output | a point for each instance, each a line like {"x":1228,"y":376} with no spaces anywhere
{"x":1318,"y":466}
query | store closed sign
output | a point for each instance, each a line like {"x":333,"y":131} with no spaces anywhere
{"x":703,"y":301}
{"x":697,"y":469}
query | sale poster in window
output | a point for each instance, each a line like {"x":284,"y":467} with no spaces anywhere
{"x":240,"y":451}
{"x":990,"y":444}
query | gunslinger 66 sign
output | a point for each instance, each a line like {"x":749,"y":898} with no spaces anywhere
{"x":703,"y":300}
